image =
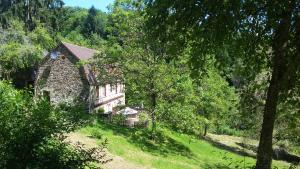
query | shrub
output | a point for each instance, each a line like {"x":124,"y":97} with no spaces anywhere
{"x":98,"y":114}
{"x":224,"y":129}
{"x":100,"y":110}
{"x":32,"y":132}
{"x":118,"y":119}
{"x":143,"y":120}
{"x":96,"y":134}
{"x":74,"y":113}
{"x":143,"y":117}
{"x":55,"y":154}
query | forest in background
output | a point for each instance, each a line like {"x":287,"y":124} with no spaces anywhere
{"x":211,"y":68}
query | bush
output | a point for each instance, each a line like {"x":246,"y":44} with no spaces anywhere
{"x":32,"y":132}
{"x":143,"y":120}
{"x":183,"y":119}
{"x":96,"y":134}
{"x":100,"y":110}
{"x":224,"y":129}
{"x":118,"y":119}
{"x":143,"y":117}
{"x":55,"y":154}
{"x":98,"y":114}
{"x":74,"y":113}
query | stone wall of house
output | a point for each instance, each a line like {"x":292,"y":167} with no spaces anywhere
{"x":62,"y":79}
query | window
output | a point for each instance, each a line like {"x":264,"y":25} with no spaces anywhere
{"x":97,"y":91}
{"x":46,"y":95}
{"x":121,"y":88}
{"x":54,"y":54}
{"x":103,"y":91}
{"x":43,"y":79}
{"x":113,"y":89}
{"x":109,"y":107}
{"x":107,"y":90}
{"x":103,"y":88}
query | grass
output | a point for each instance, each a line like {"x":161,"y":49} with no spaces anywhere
{"x":296,"y":149}
{"x":168,"y":149}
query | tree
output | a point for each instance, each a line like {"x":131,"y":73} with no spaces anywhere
{"x":20,"y":52}
{"x":147,"y":74}
{"x":178,"y":107}
{"x":16,"y":51}
{"x":217,"y":102}
{"x":29,"y":11}
{"x":73,"y":21}
{"x":94,"y":23}
{"x":90,"y":22}
{"x":41,"y":37}
{"x":32,"y":133}
{"x":260,"y":34}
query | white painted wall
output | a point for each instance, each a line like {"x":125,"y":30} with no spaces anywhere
{"x":110,"y":92}
{"x":109,"y":106}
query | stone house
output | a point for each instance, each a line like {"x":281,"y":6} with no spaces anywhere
{"x":62,"y":79}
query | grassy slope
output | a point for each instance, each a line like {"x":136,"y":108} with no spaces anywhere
{"x":171,"y":150}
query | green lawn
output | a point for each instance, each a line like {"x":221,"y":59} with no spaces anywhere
{"x":169,"y":150}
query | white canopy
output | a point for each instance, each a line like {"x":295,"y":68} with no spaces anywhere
{"x":127,"y":111}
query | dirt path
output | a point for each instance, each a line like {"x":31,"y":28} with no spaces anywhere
{"x":117,"y":161}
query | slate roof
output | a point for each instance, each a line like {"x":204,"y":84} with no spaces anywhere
{"x":80,"y":52}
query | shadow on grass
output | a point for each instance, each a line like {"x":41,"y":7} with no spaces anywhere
{"x":158,"y":143}
{"x":249,"y":150}
{"x":227,"y":166}
{"x":222,"y":166}
{"x":216,"y":166}
{"x":228,"y":148}
{"x":228,"y":163}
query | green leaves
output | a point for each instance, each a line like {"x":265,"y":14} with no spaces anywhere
{"x":41,"y":37}
{"x":15,"y":56}
{"x":95,"y":22}
{"x":32,"y":133}
{"x":29,"y":11}
{"x":17,"y":52}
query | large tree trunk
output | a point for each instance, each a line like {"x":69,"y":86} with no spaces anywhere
{"x":264,"y":155}
{"x":153,"y":116}
{"x":153,"y":98}
{"x":298,"y":38}
{"x":205,"y":129}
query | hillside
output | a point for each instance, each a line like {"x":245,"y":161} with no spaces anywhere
{"x":201,"y":75}
{"x":169,"y":150}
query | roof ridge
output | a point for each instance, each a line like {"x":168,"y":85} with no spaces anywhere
{"x":77,"y":45}
{"x":79,"y":51}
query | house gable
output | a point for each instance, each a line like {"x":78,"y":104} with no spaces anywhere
{"x":62,"y":77}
